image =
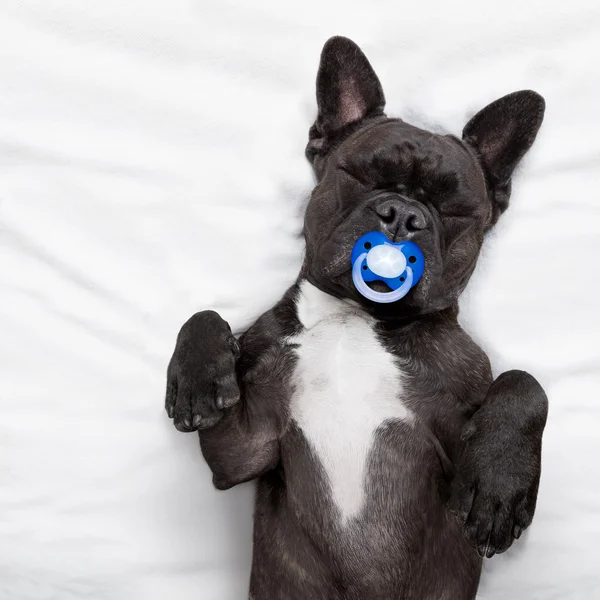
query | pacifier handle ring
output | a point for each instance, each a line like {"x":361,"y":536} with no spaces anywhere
{"x":382,"y":297}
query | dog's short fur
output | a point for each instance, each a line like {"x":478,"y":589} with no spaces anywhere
{"x":388,"y":461}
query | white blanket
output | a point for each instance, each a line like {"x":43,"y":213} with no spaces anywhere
{"x":151,"y":165}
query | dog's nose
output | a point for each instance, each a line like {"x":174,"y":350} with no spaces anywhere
{"x":399,"y":217}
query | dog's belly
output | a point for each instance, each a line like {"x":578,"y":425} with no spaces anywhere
{"x":347,"y":390}
{"x":355,"y":510}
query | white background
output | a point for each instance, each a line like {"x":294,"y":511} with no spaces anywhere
{"x":151,"y":165}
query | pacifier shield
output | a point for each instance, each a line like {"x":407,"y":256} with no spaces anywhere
{"x":399,"y":265}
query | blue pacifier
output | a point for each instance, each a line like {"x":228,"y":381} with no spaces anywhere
{"x":375,"y":258}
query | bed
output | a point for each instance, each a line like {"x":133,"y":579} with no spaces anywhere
{"x":152,"y":166}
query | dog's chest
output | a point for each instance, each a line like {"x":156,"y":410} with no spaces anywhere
{"x":346,"y":386}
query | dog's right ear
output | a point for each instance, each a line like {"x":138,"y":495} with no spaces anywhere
{"x":348,"y":91}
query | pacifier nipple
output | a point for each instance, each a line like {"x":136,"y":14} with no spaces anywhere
{"x":386,"y":261}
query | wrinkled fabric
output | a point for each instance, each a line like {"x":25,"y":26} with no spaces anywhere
{"x":151,"y":165}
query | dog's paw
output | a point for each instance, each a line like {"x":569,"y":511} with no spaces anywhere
{"x":201,"y":378}
{"x":495,"y":490}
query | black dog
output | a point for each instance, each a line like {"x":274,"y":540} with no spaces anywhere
{"x":388,"y":462}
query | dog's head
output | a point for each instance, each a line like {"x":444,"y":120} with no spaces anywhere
{"x":376,"y":173}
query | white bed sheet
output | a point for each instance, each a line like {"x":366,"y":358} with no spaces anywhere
{"x":151,"y":165}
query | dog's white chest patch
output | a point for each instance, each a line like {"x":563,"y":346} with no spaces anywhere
{"x":346,"y":386}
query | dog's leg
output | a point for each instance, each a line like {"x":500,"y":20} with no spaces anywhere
{"x":208,"y":390}
{"x":495,"y":489}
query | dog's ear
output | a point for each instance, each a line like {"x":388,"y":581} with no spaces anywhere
{"x":501,"y":134}
{"x":348,"y":91}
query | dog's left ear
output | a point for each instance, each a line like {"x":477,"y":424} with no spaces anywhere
{"x":501,"y":134}
{"x":348,"y":91}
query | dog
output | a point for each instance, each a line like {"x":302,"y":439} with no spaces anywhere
{"x":389,"y":462}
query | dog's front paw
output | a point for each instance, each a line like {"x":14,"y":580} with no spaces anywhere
{"x":495,"y":490}
{"x":201,"y":378}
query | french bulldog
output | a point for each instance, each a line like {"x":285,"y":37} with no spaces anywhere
{"x":389,"y":462}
